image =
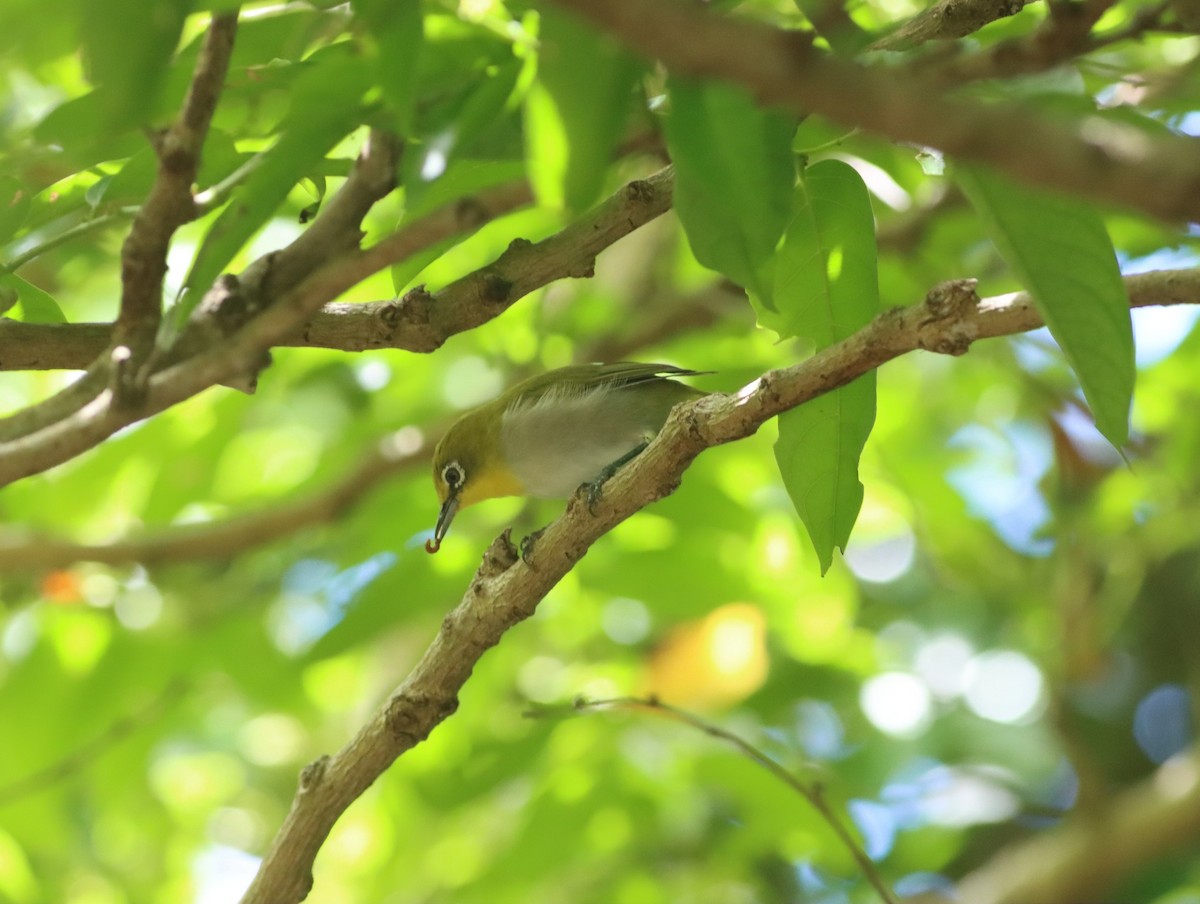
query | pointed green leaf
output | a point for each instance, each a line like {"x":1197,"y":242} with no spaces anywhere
{"x":817,"y":451}
{"x":573,"y":123}
{"x":1060,"y":251}
{"x":826,"y":288}
{"x":32,"y":304}
{"x":735,"y":177}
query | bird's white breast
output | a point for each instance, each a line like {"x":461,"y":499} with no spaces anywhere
{"x":567,"y":437}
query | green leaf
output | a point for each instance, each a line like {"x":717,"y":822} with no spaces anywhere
{"x":15,"y":199}
{"x":128,"y":46}
{"x":824,"y":277}
{"x":735,"y":175}
{"x":475,"y":111}
{"x":326,"y":106}
{"x":1060,"y":251}
{"x":33,"y":305}
{"x":826,"y":288}
{"x":573,"y":123}
{"x":397,"y":29}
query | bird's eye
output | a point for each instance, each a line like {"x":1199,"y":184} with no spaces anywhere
{"x":453,"y":475}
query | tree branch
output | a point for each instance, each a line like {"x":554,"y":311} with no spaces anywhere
{"x":392,"y":455}
{"x":1084,"y":858}
{"x":419,"y":321}
{"x":1095,"y":158}
{"x":948,"y":19}
{"x":506,"y":590}
{"x":240,"y":353}
{"x":422,"y":322}
{"x":144,"y":252}
{"x":169,"y":204}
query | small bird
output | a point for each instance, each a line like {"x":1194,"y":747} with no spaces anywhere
{"x":552,"y":433}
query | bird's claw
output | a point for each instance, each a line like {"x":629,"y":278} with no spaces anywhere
{"x":527,"y":544}
{"x":593,"y":495}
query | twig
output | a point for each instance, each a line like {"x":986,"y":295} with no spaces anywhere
{"x":73,"y":232}
{"x":813,"y":793}
{"x":86,"y":755}
{"x":506,"y":590}
{"x":169,"y":204}
{"x":1156,"y":174}
{"x":1060,"y":38}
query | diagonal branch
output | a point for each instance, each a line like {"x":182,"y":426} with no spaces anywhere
{"x":422,"y":322}
{"x":1097,"y":159}
{"x":1084,"y":858}
{"x":810,"y":791}
{"x":948,"y":19}
{"x":506,"y":591}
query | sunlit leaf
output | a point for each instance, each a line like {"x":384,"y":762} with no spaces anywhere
{"x":32,"y":304}
{"x":734,"y":178}
{"x":572,"y":123}
{"x":1060,"y":250}
{"x":825,"y":288}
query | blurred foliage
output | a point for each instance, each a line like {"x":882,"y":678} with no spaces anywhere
{"x":1009,"y":634}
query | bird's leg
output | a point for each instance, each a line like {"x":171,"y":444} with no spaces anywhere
{"x":527,"y":544}
{"x":594,"y":486}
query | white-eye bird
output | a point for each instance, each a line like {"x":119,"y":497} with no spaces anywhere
{"x":550,"y":434}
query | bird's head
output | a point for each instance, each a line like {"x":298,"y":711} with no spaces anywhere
{"x":468,"y":467}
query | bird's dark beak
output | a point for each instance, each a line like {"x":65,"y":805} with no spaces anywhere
{"x":445,"y":516}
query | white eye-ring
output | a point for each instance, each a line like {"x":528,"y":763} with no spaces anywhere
{"x":453,"y":475}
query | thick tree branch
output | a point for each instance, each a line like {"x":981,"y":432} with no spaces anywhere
{"x":505,"y":590}
{"x":1095,"y":158}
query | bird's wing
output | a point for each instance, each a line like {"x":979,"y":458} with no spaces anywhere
{"x":580,"y":378}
